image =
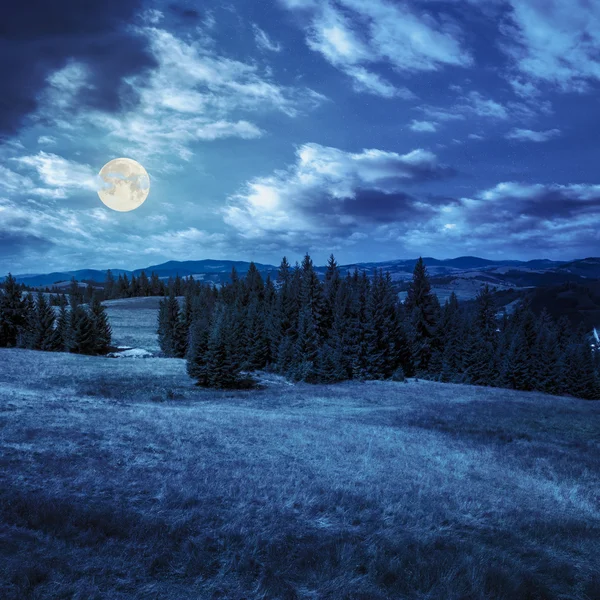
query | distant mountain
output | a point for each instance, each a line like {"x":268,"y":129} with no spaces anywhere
{"x":464,"y":275}
{"x":202,"y":267}
{"x":83,"y":275}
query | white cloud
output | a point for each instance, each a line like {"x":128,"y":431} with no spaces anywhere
{"x":528,"y":135}
{"x":555,"y":42}
{"x":65,"y":84}
{"x":354,"y":34}
{"x":152,"y":16}
{"x":60,"y":173}
{"x":46,"y":140}
{"x":477,"y":104}
{"x":306,"y":198}
{"x":263,"y":41}
{"x":423,"y":126}
{"x":194,"y":94}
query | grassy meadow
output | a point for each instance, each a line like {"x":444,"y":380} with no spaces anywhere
{"x":121,"y":479}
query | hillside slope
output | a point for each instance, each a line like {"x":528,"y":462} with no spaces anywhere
{"x":121,"y":479}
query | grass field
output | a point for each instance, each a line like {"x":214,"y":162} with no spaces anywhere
{"x":120,"y":479}
{"x":133,"y":321}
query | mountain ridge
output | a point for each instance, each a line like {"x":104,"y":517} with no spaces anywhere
{"x":507,"y":271}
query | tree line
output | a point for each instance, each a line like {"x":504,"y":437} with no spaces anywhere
{"x":31,"y":322}
{"x":356,"y":328}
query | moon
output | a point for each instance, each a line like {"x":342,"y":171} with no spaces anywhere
{"x":124,"y":184}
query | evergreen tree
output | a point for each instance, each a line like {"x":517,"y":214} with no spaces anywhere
{"x":172,"y":332}
{"x":12,"y":317}
{"x":272,"y":322}
{"x":109,"y":285}
{"x":382,"y":329}
{"x":144,"y":284}
{"x":518,"y":370}
{"x":124,"y":286}
{"x":450,"y":334}
{"x":81,"y":331}
{"x":485,"y":314}
{"x":330,"y":289}
{"x":156,"y":287}
{"x":26,"y":336}
{"x":134,"y":288}
{"x":222,"y":367}
{"x":45,"y":336}
{"x":197,"y":354}
{"x":101,"y":327}
{"x":421,"y":309}
{"x":75,"y":291}
{"x":256,"y":342}
{"x":88,"y":294}
{"x":62,"y":333}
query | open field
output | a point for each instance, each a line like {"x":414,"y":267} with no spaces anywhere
{"x":120,"y":479}
{"x":133,"y":321}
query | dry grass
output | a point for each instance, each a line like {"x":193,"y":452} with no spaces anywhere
{"x":133,"y":321}
{"x":120,"y":479}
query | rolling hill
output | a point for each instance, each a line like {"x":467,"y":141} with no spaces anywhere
{"x":463,"y":275}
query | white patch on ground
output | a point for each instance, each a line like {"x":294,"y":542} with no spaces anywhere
{"x":131,"y":353}
{"x":270,"y":379}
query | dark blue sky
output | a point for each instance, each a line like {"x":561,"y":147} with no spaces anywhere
{"x":368,"y":128}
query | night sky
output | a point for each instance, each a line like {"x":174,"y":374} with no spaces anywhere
{"x":368,"y":128}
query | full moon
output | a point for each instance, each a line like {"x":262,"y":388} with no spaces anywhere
{"x":124,"y":184}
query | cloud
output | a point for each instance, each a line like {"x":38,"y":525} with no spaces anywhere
{"x":475,"y":103}
{"x":59,"y":173}
{"x":528,"y":135}
{"x":14,"y":244}
{"x":328,"y":191}
{"x":48,"y":36}
{"x":263,"y":41}
{"x":193,"y":94}
{"x":553,"y":219}
{"x":354,"y":36}
{"x":423,"y":126}
{"x":46,"y":140}
{"x":554,"y":42}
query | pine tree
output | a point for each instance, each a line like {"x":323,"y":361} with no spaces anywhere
{"x":450,"y":334}
{"x":485,"y":314}
{"x":125,"y":289}
{"x":88,"y":294}
{"x":518,"y":370}
{"x":223,"y":369}
{"x":12,"y":317}
{"x":101,"y":327}
{"x":82,"y":331}
{"x":75,"y":291}
{"x":109,"y":285}
{"x":421,"y":309}
{"x":330,"y":289}
{"x":155,"y":285}
{"x":482,"y":340}
{"x":340,"y":336}
{"x":144,"y":284}
{"x":26,"y":336}
{"x":382,"y":329}
{"x":172,"y":332}
{"x":272,"y":322}
{"x":45,"y":337}
{"x":134,"y":288}
{"x":255,"y":340}
{"x":62,"y":333}
{"x":197,"y":363}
